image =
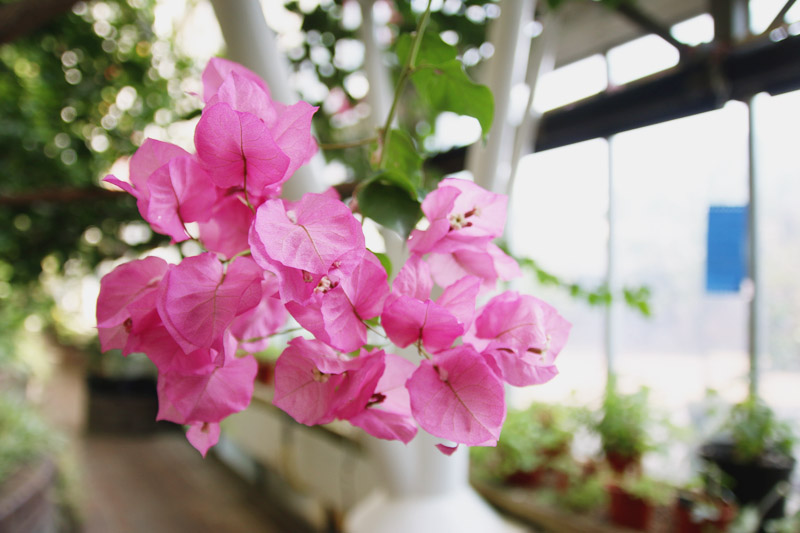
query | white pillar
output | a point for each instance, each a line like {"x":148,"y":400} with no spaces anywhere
{"x":541,"y":60}
{"x":424,"y":491}
{"x":755,"y":325}
{"x":252,"y":43}
{"x":490,"y":163}
{"x":380,"y":88}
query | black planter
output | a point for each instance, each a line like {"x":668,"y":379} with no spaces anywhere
{"x":124,"y":406}
{"x":752,"y":481}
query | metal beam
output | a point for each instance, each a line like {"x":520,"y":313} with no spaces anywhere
{"x":701,"y":84}
{"x":651,"y":25}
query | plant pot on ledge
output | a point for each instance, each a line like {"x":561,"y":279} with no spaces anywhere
{"x":752,"y":481}
{"x":627,"y":510}
{"x":701,"y":513}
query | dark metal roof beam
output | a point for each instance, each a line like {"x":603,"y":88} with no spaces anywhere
{"x":702,"y":83}
{"x":650,"y":25}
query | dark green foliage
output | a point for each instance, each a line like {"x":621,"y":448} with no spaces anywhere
{"x":63,"y":123}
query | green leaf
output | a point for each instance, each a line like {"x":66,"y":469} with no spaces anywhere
{"x":399,"y":179}
{"x":403,"y":158}
{"x":385,"y":262}
{"x":433,"y":50}
{"x":446,"y":87}
{"x":390,"y":204}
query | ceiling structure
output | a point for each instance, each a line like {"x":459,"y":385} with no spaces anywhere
{"x":589,"y":28}
{"x":736,"y":65}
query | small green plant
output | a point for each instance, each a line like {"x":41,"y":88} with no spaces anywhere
{"x":755,"y":430}
{"x":622,"y":423}
{"x":646,"y":488}
{"x":584,"y":493}
{"x":531,"y":438}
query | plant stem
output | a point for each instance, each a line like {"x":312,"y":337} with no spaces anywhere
{"x":348,"y":144}
{"x":408,"y":68}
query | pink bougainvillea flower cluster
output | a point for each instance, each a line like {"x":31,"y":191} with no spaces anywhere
{"x":266,"y":258}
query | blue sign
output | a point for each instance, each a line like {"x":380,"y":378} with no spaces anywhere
{"x":726,"y":259}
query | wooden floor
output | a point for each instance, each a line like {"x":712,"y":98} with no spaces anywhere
{"x":160,"y":484}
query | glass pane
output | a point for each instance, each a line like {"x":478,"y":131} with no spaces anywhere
{"x":558,"y":218}
{"x":665,"y":179}
{"x":778,"y":168}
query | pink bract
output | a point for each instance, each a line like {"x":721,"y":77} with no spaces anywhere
{"x":218,"y":70}
{"x":209,"y":393}
{"x":308,"y":235}
{"x":198,"y":299}
{"x":457,"y":397}
{"x":203,"y":435}
{"x":119,"y":290}
{"x":237,"y":150}
{"x":180,"y":192}
{"x":307,"y":376}
{"x":388,"y":413}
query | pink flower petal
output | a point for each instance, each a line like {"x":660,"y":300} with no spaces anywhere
{"x":406,"y":320}
{"x":198,"y":300}
{"x":388,"y":414}
{"x":457,"y":397}
{"x":261,"y":321}
{"x":245,"y":94}
{"x":366,"y":288}
{"x":447,"y":450}
{"x":511,"y":320}
{"x":218,"y":69}
{"x":520,"y":369}
{"x":180,"y":191}
{"x":119,"y":289}
{"x":212,"y":392}
{"x":363,"y":374}
{"x":459,"y":299}
{"x":203,"y":435}
{"x":311,"y":234}
{"x":307,"y":375}
{"x":227,"y":231}
{"x":292,"y":132}
{"x":414,"y":279}
{"x":238,"y":150}
{"x":151,"y":156}
{"x":331,"y":318}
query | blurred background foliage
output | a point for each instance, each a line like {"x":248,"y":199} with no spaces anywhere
{"x":80,"y":92}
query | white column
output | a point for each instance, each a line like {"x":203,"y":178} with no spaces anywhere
{"x":541,"y":60}
{"x":252,"y":43}
{"x":380,"y":88}
{"x":490,"y":163}
{"x":755,"y":326}
{"x":424,"y":491}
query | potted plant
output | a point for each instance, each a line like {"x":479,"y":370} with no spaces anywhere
{"x":754,"y":449}
{"x":706,"y":508}
{"x":632,"y":498}
{"x":531,"y":442}
{"x":621,"y":424}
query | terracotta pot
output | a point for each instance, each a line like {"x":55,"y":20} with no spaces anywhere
{"x":621,"y":463}
{"x":627,"y":510}
{"x":266,"y":371}
{"x":684,"y":522}
{"x":531,"y":479}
